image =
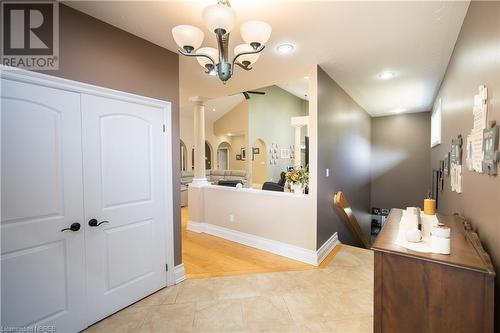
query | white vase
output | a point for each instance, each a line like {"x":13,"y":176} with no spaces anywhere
{"x":298,"y":188}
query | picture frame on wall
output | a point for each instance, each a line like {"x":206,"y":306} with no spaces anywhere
{"x":238,"y":157}
{"x":243,"y":153}
{"x":446,"y":164}
{"x":256,"y":151}
{"x":285,"y":153}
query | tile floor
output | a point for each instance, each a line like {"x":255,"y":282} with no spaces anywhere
{"x":338,"y":298}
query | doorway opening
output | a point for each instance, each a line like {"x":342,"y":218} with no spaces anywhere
{"x":208,"y":156}
{"x":259,"y":163}
{"x":223,"y":153}
{"x":183,"y":156}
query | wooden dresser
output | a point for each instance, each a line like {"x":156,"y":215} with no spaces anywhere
{"x":426,"y":292}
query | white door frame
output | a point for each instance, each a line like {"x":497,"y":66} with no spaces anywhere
{"x":21,"y":75}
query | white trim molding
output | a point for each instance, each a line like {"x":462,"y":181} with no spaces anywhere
{"x":179,"y":273}
{"x":197,"y":227}
{"x":282,"y":249}
{"x":327,"y":247}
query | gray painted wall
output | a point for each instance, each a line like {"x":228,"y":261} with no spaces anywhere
{"x":475,"y":61}
{"x":269,"y":119}
{"x":344,"y":148}
{"x":401,"y":172}
{"x":95,"y":52}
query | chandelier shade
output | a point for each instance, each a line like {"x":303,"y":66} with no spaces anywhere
{"x":209,"y":51}
{"x":188,"y":36}
{"x":251,"y":58}
{"x":219,"y":16}
{"x":255,"y":32}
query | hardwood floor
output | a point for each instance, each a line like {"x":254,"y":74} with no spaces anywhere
{"x":206,"y":256}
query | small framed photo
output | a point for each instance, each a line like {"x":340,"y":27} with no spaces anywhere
{"x":285,"y":153}
{"x":256,"y":151}
{"x":446,"y":164}
{"x":243,"y":153}
{"x":238,"y":157}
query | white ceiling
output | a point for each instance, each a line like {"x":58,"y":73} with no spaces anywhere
{"x":298,"y":87}
{"x":215,"y":108}
{"x":352,"y":42}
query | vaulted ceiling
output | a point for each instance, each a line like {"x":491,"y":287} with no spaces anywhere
{"x":352,"y":41}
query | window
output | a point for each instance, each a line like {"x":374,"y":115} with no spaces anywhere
{"x":436,"y":125}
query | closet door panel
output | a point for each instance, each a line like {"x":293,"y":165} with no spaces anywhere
{"x":43,"y":269}
{"x":124,"y":176}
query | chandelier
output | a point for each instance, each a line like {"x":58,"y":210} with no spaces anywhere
{"x":220,"y":19}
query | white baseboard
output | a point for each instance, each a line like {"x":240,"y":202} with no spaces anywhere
{"x":326,"y":248}
{"x":179,"y":273}
{"x":283,"y":249}
{"x":197,"y":227}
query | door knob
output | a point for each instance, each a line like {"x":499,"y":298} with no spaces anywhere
{"x":95,"y":223}
{"x":73,"y":227}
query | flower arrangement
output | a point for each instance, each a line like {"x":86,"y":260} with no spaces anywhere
{"x":298,"y":176}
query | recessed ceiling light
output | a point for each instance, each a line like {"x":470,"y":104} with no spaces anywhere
{"x":306,"y":77}
{"x":285,"y":48}
{"x":213,"y":109}
{"x":229,"y":134}
{"x":399,"y":110}
{"x":386,"y":75}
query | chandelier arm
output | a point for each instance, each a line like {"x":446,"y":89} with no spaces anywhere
{"x":248,"y":52}
{"x":247,"y":68}
{"x":197,"y":55}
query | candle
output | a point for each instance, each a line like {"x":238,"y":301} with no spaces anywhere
{"x":429,"y":206}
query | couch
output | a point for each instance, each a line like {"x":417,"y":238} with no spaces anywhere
{"x":213,"y":176}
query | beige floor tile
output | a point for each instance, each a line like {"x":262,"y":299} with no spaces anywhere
{"x":338,"y":298}
{"x":163,"y":296}
{"x":348,"y":278}
{"x":170,"y":318}
{"x":350,"y":325}
{"x":286,"y":328}
{"x":310,"y":281}
{"x":309,"y":307}
{"x":366,"y":256}
{"x":263,"y":310}
{"x":125,"y":321}
{"x":196,"y":290}
{"x":346,"y":259}
{"x":235,"y":287}
{"x":346,"y":304}
{"x":218,"y":316}
{"x":274,"y":283}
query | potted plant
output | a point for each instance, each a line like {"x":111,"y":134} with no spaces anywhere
{"x":298,"y":179}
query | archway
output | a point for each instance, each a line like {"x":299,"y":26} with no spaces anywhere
{"x":208,"y":156}
{"x":183,"y":156}
{"x":259,"y":163}
{"x":223,"y":156}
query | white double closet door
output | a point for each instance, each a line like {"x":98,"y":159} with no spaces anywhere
{"x":71,"y":158}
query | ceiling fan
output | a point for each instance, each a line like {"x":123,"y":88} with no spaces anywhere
{"x":248,"y":92}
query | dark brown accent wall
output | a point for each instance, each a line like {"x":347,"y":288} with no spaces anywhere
{"x":400,"y":160}
{"x":95,"y":52}
{"x":344,"y":148}
{"x":475,"y":61}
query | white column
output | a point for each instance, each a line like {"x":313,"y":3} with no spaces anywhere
{"x":296,"y":153}
{"x":199,"y":141}
{"x":196,"y":200}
